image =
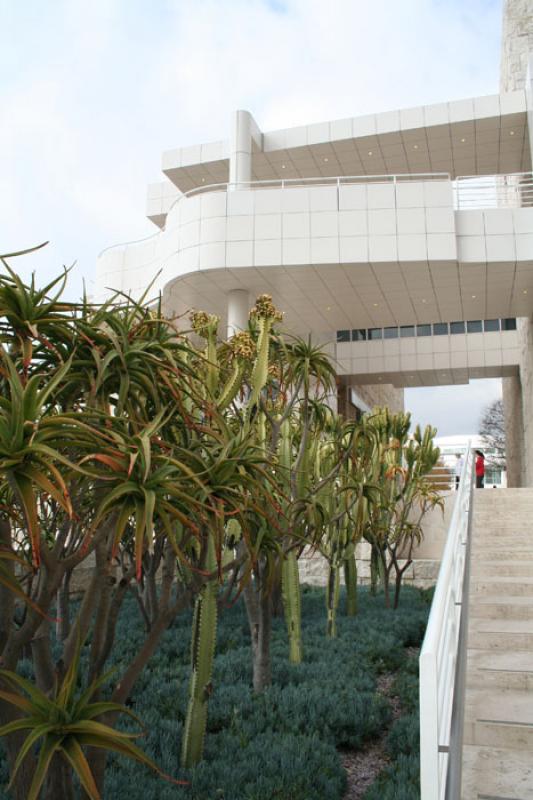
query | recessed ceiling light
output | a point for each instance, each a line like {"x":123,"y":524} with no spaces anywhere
{"x":525,"y":291}
{"x":375,"y":305}
{"x":370,"y":152}
{"x":203,"y":180}
{"x":423,"y":301}
{"x":511,"y":133}
{"x":415,"y":147}
{"x":283,"y":166}
{"x":326,"y":159}
{"x":328,"y":308}
{"x":473,"y":297}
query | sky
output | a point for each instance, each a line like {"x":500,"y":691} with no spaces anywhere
{"x":91,"y":93}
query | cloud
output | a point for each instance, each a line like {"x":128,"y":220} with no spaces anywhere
{"x":452,"y":409}
{"x":92,"y":93}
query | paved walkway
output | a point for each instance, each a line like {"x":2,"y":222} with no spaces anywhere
{"x":498,"y":733}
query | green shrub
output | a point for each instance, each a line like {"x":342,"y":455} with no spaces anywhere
{"x":280,"y":745}
{"x":398,"y":781}
{"x":404,"y":736}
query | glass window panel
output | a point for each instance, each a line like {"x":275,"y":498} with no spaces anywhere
{"x":508,"y":324}
{"x":407,"y":330}
{"x":474,"y":326}
{"x":375,"y":333}
{"x":391,"y":333}
{"x":423,"y":330}
{"x":457,"y":327}
{"x":359,"y":335}
{"x":343,"y":336}
{"x":492,"y":325}
{"x":440,"y":329}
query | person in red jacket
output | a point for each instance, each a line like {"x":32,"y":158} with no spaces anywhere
{"x":480,"y":470}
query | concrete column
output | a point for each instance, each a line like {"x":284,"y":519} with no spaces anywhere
{"x":240,"y":154}
{"x":238,"y":311}
{"x":514,"y":431}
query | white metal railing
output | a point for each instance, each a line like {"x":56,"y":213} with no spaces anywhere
{"x":494,"y":191}
{"x":440,"y":683}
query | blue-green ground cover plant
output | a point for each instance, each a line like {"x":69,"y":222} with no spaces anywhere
{"x":284,"y":742}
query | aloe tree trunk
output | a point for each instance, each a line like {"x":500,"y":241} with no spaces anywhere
{"x":259,"y":611}
{"x":332,"y":599}
{"x":374,"y":569}
{"x":292,"y":602}
{"x":350,"y":580}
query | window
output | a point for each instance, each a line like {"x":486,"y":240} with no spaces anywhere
{"x":508,"y":324}
{"x":491,"y":325}
{"x":474,"y":326}
{"x":375,"y":333}
{"x":391,"y":333}
{"x":407,"y":330}
{"x":423,"y":330}
{"x":440,"y":329}
{"x":359,"y":335}
{"x":457,"y":327}
{"x":343,"y":336}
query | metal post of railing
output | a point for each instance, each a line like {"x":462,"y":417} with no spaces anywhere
{"x":455,"y":760}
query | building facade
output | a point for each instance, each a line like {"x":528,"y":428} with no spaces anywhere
{"x":403,"y":240}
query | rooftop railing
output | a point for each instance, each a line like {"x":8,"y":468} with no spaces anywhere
{"x":443,"y":656}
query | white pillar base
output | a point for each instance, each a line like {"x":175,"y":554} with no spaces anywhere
{"x":238,"y":311}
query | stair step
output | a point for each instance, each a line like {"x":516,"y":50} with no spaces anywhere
{"x":492,"y":670}
{"x":517,"y":568}
{"x":508,"y":634}
{"x":516,"y":587}
{"x":502,"y":719}
{"x":490,"y":773}
{"x":481,"y":553}
{"x":493,"y":606}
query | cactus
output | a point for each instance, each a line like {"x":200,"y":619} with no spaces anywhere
{"x":202,"y":654}
{"x":290,"y":587}
{"x":266,"y":314}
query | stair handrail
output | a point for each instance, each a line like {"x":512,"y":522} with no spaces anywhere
{"x":442,"y":653}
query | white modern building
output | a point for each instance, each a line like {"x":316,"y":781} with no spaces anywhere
{"x":405,"y":239}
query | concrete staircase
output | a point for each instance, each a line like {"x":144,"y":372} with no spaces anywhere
{"x":498,"y":731}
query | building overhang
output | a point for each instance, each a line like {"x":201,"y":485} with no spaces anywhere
{"x":475,"y":136}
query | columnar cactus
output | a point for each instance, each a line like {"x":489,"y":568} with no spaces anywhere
{"x":202,"y":654}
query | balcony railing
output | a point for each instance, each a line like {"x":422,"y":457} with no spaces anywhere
{"x":469,"y":192}
{"x":494,"y":191}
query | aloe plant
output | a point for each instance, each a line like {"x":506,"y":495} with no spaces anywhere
{"x":62,"y":725}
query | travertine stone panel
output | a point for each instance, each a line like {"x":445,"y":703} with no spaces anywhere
{"x":373,"y":395}
{"x":525,"y":329}
{"x":514,"y":430}
{"x":517,"y":42}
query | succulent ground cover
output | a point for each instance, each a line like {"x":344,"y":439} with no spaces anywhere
{"x":288,"y":742}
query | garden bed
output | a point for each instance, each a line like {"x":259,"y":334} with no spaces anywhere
{"x":291,"y":742}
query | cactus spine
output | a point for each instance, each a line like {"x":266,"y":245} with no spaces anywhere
{"x":202,"y":654}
